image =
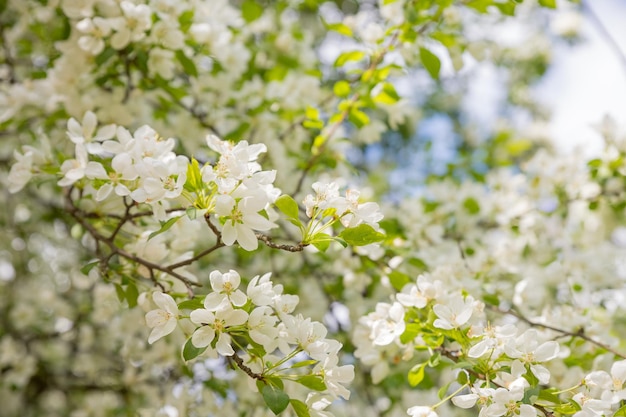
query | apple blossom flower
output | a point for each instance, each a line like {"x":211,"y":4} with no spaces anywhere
{"x":163,"y":320}
{"x":132,"y":26}
{"x":241,"y":218}
{"x":95,"y":30}
{"x":529,"y":351}
{"x":421,"y":411}
{"x":225,"y":287}
{"x":216,"y":323}
{"x":454,"y":313}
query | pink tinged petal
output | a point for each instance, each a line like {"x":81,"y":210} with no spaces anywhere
{"x":223,"y":346}
{"x":547,"y":351}
{"x":246,"y":237}
{"x":202,"y":316}
{"x":203,"y":336}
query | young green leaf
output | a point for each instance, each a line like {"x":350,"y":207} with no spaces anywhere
{"x":313,"y":382}
{"x":300,"y":408}
{"x":190,"y":351}
{"x":251,"y":10}
{"x":188,"y":65}
{"x":275,"y":398}
{"x":91,"y":265}
{"x":431,"y":62}
{"x":288,"y":206}
{"x":416,"y":374}
{"x":361,"y":235}
{"x":165,"y":226}
{"x":345,"y":57}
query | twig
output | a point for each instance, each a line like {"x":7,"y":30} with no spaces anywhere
{"x":580,"y":333}
{"x":245,"y":368}
{"x":289,"y":248}
{"x":76,"y":213}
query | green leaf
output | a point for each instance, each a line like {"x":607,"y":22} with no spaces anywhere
{"x":398,"y":280}
{"x":288,"y":206}
{"x":185,"y":20}
{"x":471,"y":205}
{"x":431,"y":63}
{"x":302,"y":364}
{"x":300,"y":408}
{"x":275,"y":398}
{"x":410,"y":332}
{"x":190,"y":351}
{"x":131,"y":294}
{"x":621,"y":412}
{"x":121,"y":295}
{"x":188,"y":65}
{"x":443,"y":390}
{"x":321,"y":245}
{"x":192,"y":304}
{"x":361,"y":235}
{"x":342,"y":89}
{"x":251,"y":10}
{"x":388,"y":94}
{"x":104,"y":56}
{"x":313,"y":382}
{"x":349,"y":56}
{"x":165,"y":226}
{"x":194,"y":177}
{"x":358,"y":117}
{"x":416,"y":374}
{"x":91,"y":265}
{"x":340,"y":28}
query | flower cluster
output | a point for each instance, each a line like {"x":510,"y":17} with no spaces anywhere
{"x":141,"y":165}
{"x":509,"y":358}
{"x":327,"y":202}
{"x":241,"y":191}
{"x":259,"y":325}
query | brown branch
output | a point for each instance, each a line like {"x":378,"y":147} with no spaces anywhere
{"x":245,"y":368}
{"x":580,"y":333}
{"x":289,"y":248}
{"x":218,"y":244}
{"x":76,"y":213}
